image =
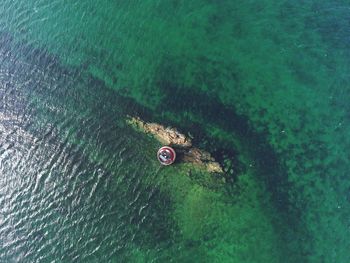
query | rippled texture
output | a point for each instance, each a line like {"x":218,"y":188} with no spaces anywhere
{"x":263,"y":86}
{"x":59,"y":165}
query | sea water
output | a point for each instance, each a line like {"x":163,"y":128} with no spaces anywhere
{"x":263,"y":86}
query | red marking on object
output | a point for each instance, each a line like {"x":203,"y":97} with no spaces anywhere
{"x":166,"y":155}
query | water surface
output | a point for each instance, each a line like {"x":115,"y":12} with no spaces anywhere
{"x":263,"y":86}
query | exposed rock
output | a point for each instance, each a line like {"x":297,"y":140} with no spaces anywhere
{"x":182,"y":144}
{"x":166,"y":135}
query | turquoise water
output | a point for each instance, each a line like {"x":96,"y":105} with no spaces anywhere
{"x":263,"y":86}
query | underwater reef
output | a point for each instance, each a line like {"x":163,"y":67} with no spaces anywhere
{"x":183,"y":145}
{"x":263,"y":87}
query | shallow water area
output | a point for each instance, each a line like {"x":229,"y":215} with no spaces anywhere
{"x":261,"y":86}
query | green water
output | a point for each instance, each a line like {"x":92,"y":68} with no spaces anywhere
{"x":262,"y":85}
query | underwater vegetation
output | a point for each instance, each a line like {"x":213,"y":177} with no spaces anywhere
{"x":263,"y":86}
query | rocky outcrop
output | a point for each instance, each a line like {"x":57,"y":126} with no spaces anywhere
{"x":167,"y":136}
{"x":182,"y":144}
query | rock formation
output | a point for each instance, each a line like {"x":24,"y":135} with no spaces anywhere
{"x":181,"y":143}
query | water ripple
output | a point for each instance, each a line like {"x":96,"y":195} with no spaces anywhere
{"x":69,"y":184}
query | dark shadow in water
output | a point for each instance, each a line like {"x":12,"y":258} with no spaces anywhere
{"x":177,"y":100}
{"x":270,"y":171}
{"x":157,"y":227}
{"x":212,"y":111}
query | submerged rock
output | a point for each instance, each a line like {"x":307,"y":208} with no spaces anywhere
{"x":202,"y":158}
{"x":183,"y":145}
